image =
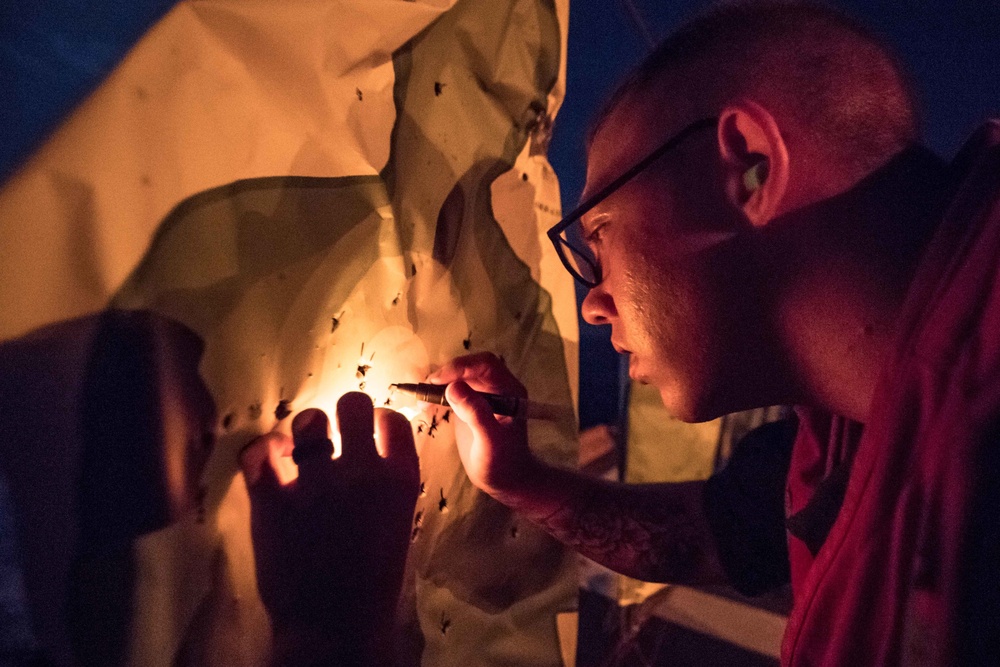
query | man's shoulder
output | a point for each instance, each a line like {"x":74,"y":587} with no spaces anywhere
{"x":953,"y":307}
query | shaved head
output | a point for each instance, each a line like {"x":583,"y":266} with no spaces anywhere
{"x":835,"y":89}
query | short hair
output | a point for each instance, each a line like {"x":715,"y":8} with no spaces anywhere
{"x":809,"y":62}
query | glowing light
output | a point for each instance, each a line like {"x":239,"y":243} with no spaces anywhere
{"x":408,"y":412}
{"x":376,"y":322}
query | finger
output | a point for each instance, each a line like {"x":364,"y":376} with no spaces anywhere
{"x":356,"y":422}
{"x":471,"y":408}
{"x":394,"y":436}
{"x":459,"y":367}
{"x":261,"y":480}
{"x":311,"y":434}
{"x":483,"y":371}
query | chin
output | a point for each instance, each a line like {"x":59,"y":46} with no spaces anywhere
{"x":687,"y":406}
{"x":677,"y":407}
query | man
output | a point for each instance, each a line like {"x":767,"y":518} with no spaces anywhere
{"x":762,"y":227}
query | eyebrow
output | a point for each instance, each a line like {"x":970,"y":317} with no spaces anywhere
{"x":593,"y":200}
{"x":595,"y":218}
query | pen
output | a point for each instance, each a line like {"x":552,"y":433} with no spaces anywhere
{"x":510,"y":406}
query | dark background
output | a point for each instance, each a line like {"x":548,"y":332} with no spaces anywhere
{"x":952,"y":49}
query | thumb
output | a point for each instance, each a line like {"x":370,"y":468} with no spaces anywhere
{"x":471,"y":408}
{"x":262,"y":481}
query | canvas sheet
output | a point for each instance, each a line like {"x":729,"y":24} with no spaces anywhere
{"x":332,"y":196}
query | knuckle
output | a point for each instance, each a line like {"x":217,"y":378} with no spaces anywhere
{"x":490,"y":360}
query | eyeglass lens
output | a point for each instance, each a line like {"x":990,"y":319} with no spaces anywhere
{"x":578,"y":254}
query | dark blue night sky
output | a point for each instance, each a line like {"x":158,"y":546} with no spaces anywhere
{"x":951,"y":48}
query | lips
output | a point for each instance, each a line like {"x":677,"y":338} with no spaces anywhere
{"x":633,"y":362}
{"x":635,"y":372}
{"x":619,"y":348}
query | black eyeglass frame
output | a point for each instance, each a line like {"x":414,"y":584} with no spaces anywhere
{"x":581,"y":210}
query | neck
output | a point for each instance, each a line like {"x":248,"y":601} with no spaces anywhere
{"x":840,"y":272}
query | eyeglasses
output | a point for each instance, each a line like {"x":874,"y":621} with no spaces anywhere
{"x":577,"y":256}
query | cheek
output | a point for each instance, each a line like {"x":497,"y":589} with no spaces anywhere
{"x":649,"y":303}
{"x":671,"y":311}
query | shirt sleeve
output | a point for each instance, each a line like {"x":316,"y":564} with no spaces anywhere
{"x":745,"y":504}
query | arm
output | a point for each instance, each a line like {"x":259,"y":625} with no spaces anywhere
{"x":653,"y":532}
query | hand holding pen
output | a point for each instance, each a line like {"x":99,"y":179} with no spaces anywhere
{"x":494,"y":449}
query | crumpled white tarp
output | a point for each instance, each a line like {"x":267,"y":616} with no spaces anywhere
{"x":332,"y":196}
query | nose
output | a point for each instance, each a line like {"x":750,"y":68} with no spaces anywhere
{"x":598,"y":307}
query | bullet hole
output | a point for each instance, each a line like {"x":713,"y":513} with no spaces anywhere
{"x":227,"y":421}
{"x":433,"y":426}
{"x":524,"y":177}
{"x":255,"y":410}
{"x":423,"y":490}
{"x":413,"y":270}
{"x":443,"y":503}
{"x":282,"y":411}
{"x":364,"y":366}
{"x":467,"y":343}
{"x":420,"y":428}
{"x":514,"y":530}
{"x":418,"y":519}
{"x":447,"y":416}
{"x":357,"y":91}
{"x":395,"y":301}
{"x":414,"y":534}
{"x":388,"y":402}
{"x":361,"y":386}
{"x":445,"y":624}
{"x":335,"y":322}
{"x":438,"y":88}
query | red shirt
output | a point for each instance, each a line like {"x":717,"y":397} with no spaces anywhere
{"x":906,"y":575}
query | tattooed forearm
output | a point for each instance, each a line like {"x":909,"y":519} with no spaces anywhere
{"x":651,"y":532}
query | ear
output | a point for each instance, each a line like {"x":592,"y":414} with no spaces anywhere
{"x":755,"y":160}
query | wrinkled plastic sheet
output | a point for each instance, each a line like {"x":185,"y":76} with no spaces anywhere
{"x":331,"y":196}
